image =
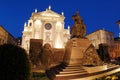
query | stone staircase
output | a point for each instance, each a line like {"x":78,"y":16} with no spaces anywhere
{"x":71,"y":72}
{"x":66,"y":72}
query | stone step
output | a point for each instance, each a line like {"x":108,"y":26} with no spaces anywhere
{"x":71,"y":74}
{"x":70,"y":67}
{"x":112,"y":65}
{"x":73,"y":65}
{"x":76,"y":71}
{"x":73,"y":69}
{"x":78,"y":66}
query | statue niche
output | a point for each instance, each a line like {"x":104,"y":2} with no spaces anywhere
{"x":79,"y":29}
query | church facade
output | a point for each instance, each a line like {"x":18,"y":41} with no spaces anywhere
{"x":48,"y":26}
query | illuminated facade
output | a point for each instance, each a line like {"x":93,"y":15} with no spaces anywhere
{"x":48,"y":26}
{"x":101,"y":37}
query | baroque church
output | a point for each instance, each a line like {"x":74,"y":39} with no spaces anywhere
{"x":47,"y":26}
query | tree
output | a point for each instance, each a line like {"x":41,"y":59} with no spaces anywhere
{"x":14,"y":63}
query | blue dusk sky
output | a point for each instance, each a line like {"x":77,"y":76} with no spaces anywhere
{"x":96,"y":14}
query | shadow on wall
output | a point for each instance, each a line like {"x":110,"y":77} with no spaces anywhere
{"x":103,"y":53}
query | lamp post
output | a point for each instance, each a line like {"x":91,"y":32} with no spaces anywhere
{"x":118,"y":22}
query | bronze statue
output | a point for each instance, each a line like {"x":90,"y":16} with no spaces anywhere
{"x":79,"y":29}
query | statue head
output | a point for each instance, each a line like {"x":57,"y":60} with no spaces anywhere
{"x":74,"y":17}
{"x":47,"y":46}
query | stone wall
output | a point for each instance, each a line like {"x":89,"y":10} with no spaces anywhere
{"x":43,"y":56}
{"x":58,"y":55}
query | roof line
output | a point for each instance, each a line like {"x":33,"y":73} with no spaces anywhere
{"x":7,"y":31}
{"x":98,"y":30}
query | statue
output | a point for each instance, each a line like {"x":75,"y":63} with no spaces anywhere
{"x":47,"y":56}
{"x":79,"y":29}
{"x":79,"y":49}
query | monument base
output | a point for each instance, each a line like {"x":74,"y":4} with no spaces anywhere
{"x":81,"y":51}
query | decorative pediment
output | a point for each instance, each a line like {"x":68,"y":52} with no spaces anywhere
{"x":49,"y":13}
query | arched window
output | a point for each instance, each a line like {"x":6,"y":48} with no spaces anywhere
{"x":30,"y":24}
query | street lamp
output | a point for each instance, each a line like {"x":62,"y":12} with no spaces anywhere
{"x":118,"y":22}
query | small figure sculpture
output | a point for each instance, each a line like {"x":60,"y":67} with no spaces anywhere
{"x":47,"y":56}
{"x":79,"y":29}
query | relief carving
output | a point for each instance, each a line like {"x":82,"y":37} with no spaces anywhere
{"x":91,"y":57}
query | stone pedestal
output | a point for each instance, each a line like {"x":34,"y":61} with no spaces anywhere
{"x":78,"y":50}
